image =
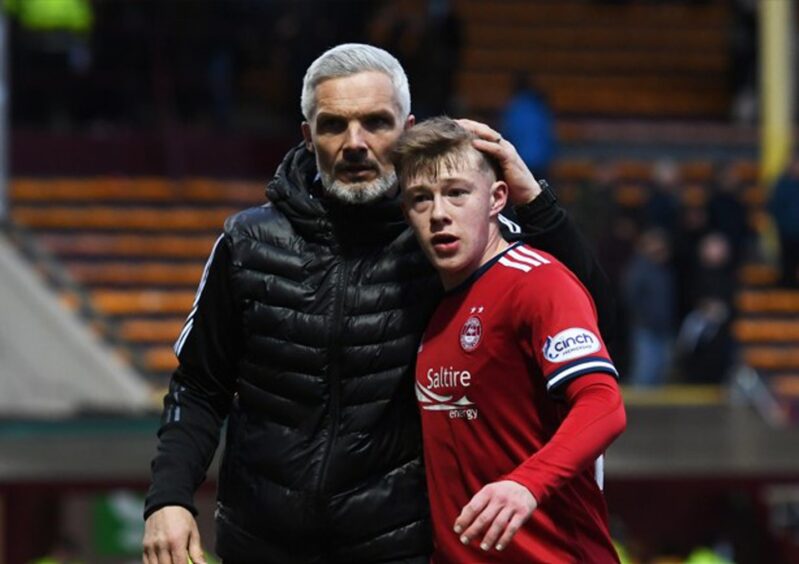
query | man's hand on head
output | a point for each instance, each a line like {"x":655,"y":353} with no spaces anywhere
{"x":522,"y":184}
{"x":501,"y":508}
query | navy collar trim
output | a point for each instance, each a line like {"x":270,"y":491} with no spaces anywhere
{"x":474,"y":276}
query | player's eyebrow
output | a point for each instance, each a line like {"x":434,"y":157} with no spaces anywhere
{"x":416,"y":187}
{"x":457,"y":179}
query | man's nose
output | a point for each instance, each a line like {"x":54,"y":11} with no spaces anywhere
{"x":355,"y":140}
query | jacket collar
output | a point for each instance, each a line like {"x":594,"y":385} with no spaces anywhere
{"x":326,"y":220}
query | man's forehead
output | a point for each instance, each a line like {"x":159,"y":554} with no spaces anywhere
{"x":364,"y":92}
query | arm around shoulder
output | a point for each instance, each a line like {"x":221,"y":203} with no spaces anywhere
{"x":546,"y":226}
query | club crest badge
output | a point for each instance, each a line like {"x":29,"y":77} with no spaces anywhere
{"x":471,"y":333}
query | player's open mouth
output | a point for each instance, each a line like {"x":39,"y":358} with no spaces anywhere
{"x":444,"y":242}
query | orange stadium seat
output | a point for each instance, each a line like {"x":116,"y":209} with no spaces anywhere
{"x":138,"y":302}
{"x":115,"y":245}
{"x":593,"y":58}
{"x":122,"y":218}
{"x":144,"y":330}
{"x":125,"y":273}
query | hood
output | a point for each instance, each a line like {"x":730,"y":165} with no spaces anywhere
{"x":326,"y":220}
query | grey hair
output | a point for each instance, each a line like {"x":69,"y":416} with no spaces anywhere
{"x":348,"y":59}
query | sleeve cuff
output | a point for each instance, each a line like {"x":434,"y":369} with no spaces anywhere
{"x":587,"y":365}
{"x":542,"y":213}
{"x":152,"y":505}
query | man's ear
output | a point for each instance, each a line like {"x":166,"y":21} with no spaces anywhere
{"x":409,"y":122}
{"x":306,"y":134}
{"x":499,"y":197}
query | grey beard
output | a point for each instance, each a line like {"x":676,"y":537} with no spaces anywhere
{"x":359,"y":192}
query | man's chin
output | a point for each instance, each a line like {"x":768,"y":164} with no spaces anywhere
{"x":361,"y":192}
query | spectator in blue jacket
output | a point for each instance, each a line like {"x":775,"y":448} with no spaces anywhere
{"x":528,"y":123}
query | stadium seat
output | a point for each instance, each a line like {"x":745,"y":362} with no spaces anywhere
{"x":597,"y":58}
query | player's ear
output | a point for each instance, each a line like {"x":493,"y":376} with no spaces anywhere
{"x":499,"y":197}
{"x":409,"y":122}
{"x":306,"y":134}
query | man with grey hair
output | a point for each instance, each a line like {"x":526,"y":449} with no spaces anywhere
{"x":364,"y":67}
{"x":303,"y":337}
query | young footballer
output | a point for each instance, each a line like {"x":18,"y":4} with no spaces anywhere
{"x":517,"y":393}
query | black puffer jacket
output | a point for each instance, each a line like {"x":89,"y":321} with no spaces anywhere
{"x":304,"y":333}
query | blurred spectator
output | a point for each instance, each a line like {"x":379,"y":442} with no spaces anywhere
{"x":784,"y":208}
{"x":662,"y":207}
{"x":693,"y":225}
{"x":704,"y":344}
{"x":727,"y":213}
{"x":615,"y":248}
{"x":613,"y":230}
{"x":593,"y":204}
{"x":528,"y":123}
{"x":649,"y":294}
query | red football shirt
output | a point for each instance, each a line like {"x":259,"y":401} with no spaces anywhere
{"x":493,"y":360}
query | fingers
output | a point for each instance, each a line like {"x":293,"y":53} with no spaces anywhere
{"x":480,"y":522}
{"x":497,"y":528}
{"x":150,"y":553}
{"x":179,"y":555}
{"x":513,"y":526}
{"x":164,"y":556}
{"x":499,"y":509}
{"x":162,"y":550}
{"x":494,"y":148}
{"x":471,"y":510}
{"x":168,"y":533}
{"x":488,"y":140}
{"x":480,"y":129}
{"x":195,"y":548}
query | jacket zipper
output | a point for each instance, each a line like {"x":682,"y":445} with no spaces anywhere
{"x":335,"y":369}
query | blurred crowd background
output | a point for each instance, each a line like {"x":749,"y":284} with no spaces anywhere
{"x":132,"y":128}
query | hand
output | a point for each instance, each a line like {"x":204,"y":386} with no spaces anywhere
{"x":503,"y":507}
{"x":168,"y":533}
{"x":522,"y":185}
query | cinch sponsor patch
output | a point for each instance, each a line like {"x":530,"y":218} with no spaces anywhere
{"x":570,"y":344}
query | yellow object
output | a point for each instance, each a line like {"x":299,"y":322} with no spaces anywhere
{"x":52,"y":15}
{"x":776,"y":88}
{"x":703,"y":555}
{"x":624,"y":556}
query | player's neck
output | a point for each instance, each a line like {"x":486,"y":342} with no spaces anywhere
{"x":495,"y":245}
